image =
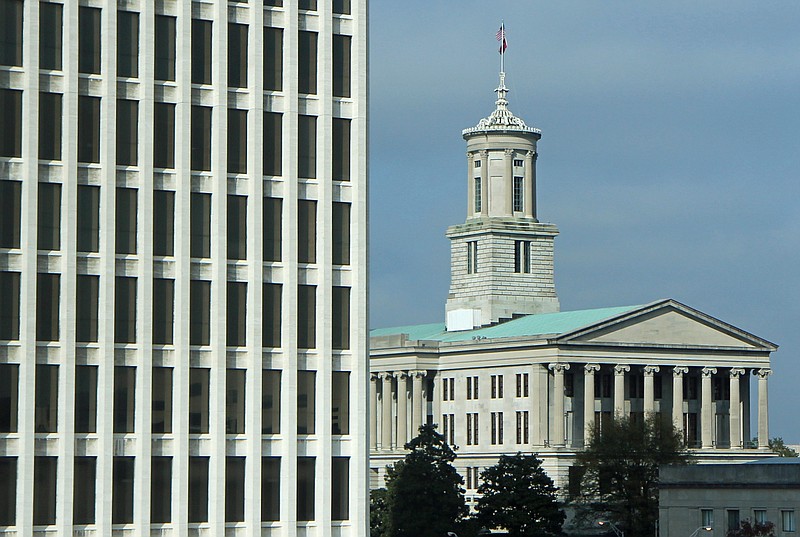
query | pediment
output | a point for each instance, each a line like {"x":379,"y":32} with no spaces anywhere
{"x":667,"y":324}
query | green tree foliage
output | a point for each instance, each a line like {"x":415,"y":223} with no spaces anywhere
{"x":776,"y":444}
{"x":519,"y":497}
{"x":424,"y":497}
{"x":378,"y":513}
{"x":620,"y":483}
{"x":748,"y":529}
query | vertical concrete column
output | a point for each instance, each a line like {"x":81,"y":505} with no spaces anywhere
{"x":588,"y":400}
{"x":763,"y":407}
{"x":736,"y":408}
{"x":485,"y":182}
{"x":706,"y":410}
{"x":471,"y":185}
{"x":619,"y":388}
{"x":649,"y":391}
{"x":508,"y":163}
{"x":416,"y":400}
{"x":558,"y":402}
{"x":402,"y":409}
{"x":373,"y":411}
{"x":529,"y":200}
{"x":386,"y":410}
{"x":677,"y":395}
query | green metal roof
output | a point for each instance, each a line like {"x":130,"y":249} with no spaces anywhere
{"x":526,"y":326}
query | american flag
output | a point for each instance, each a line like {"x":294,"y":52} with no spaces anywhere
{"x":501,"y":36}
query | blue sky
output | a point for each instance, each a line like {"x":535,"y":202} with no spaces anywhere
{"x":670,"y":155}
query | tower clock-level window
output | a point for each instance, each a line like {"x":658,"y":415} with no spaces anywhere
{"x":478,"y":193}
{"x":522,"y":256}
{"x":472,"y":257}
{"x":518,"y":193}
{"x":518,"y":163}
{"x":477,"y":163}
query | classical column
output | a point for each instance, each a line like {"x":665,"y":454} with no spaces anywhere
{"x":677,"y":395}
{"x":619,"y":388}
{"x":529,"y":199}
{"x":763,"y":409}
{"x":402,"y":409}
{"x":706,"y":408}
{"x":588,"y":400}
{"x":485,"y":183}
{"x":470,"y":184}
{"x":735,"y":408}
{"x":558,"y":402}
{"x":373,"y":411}
{"x":649,"y":392}
{"x":416,"y":400}
{"x":386,"y":410}
{"x":508,"y":203}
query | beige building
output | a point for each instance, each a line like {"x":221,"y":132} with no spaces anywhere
{"x":508,"y":371}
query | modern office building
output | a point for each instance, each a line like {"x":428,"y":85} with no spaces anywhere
{"x":183,"y":268}
{"x":509,"y":372}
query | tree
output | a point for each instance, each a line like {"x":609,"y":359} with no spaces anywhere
{"x":776,"y":444}
{"x":378,"y":513}
{"x":748,"y":529}
{"x":621,"y":464}
{"x":518,"y":495}
{"x":423,"y":490}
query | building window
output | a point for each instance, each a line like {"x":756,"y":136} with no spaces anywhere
{"x":472,"y":429}
{"x":497,"y":386}
{"x":201,"y":138}
{"x":569,"y":385}
{"x":234,"y":489}
{"x":522,"y":427}
{"x":340,"y":403}
{"x":341,"y":65}
{"x":787,"y":521}
{"x":8,"y":491}
{"x":50,"y":35}
{"x":86,"y":308}
{"x":162,"y":400}
{"x":658,"y":387}
{"x":340,"y":488}
{"x":306,"y":231}
{"x":237,"y":55}
{"x":44,"y":490}
{"x":198,"y":489}
{"x":449,"y":389}
{"x":522,"y":257}
{"x":48,"y":294}
{"x":341,"y":7}
{"x":46,"y":399}
{"x":89,"y":40}
{"x":449,"y":428}
{"x":307,"y":62}
{"x":340,"y":318}
{"x":88,"y":127}
{"x":497,"y":428}
{"x":237,"y":227}
{"x":10,"y":213}
{"x":236,"y":317}
{"x":273,"y":59}
{"x":201,"y":51}
{"x":341,"y":149}
{"x":472,"y":257}
{"x":635,"y":386}
{"x":199,"y":312}
{"x":307,"y":146}
{"x":237,"y":141}
{"x":271,"y":315}
{"x":305,"y":488}
{"x":9,"y":399}
{"x":163,"y":135}
{"x":308,"y":5}
{"x":125,"y":229}
{"x":472,"y":387}
{"x":122,"y":491}
{"x":124,"y":399}
{"x":163,"y":222}
{"x":83,"y":490}
{"x":49,"y":217}
{"x":125,"y":310}
{"x":198,"y":400}
{"x":341,"y":233}
{"x":127,"y":44}
{"x":11,"y":33}
{"x":270,"y":401}
{"x":733,"y":519}
{"x":85,"y":399}
{"x":518,"y":163}
{"x":477,"y":201}
{"x":127,"y":128}
{"x":235,"y":383}
{"x":11,"y":119}
{"x":50,"y":126}
{"x":306,"y":391}
{"x":271,"y":235}
{"x":518,"y":194}
{"x":760,"y":516}
{"x":270,"y":489}
{"x":273,"y":143}
{"x":165,"y":48}
{"x":160,"y":490}
{"x":9,"y":298}
{"x":88,"y":218}
{"x":200,"y":237}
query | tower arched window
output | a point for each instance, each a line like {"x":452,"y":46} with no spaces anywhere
{"x":477,"y":194}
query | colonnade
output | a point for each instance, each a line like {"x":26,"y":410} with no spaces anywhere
{"x":402,"y":407}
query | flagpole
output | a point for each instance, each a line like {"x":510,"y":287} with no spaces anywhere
{"x":502,"y":48}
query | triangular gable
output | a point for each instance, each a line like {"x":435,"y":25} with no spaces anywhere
{"x":666,"y":323}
